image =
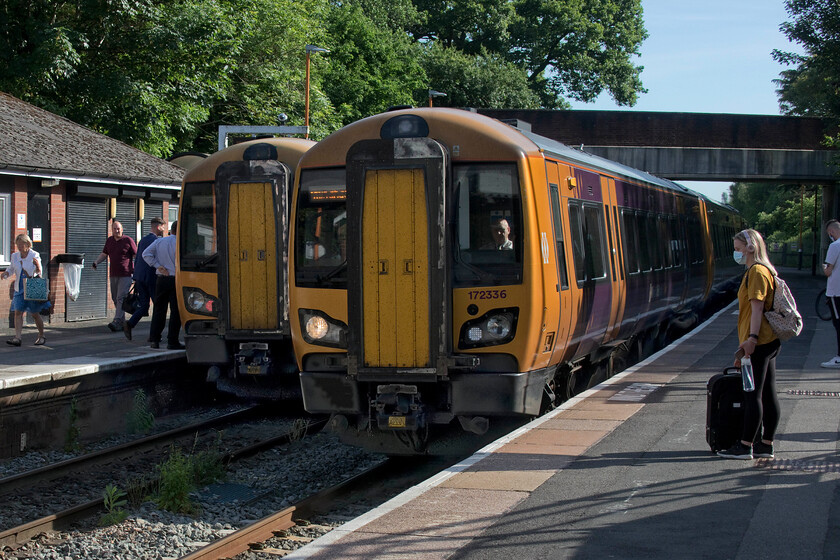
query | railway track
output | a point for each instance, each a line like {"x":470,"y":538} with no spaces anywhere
{"x":64,"y":519}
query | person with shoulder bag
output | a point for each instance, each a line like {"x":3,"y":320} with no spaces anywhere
{"x":759,"y":343}
{"x":26,"y":263}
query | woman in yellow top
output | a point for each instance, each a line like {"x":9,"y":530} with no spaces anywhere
{"x":757,"y":341}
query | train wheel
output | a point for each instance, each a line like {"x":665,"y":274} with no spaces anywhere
{"x":618,"y":362}
{"x":568,"y":384}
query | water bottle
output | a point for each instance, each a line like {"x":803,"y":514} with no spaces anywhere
{"x":747,"y":374}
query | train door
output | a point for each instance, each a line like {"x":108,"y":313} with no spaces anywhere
{"x":564,"y":294}
{"x":395,"y":269}
{"x":398,"y":297}
{"x":589,"y":254}
{"x":615,"y":258}
{"x":252,"y":196}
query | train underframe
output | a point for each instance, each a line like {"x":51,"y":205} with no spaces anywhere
{"x":251,"y":369}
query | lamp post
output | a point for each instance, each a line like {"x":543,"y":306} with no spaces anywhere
{"x":433,"y":93}
{"x":309,"y":49}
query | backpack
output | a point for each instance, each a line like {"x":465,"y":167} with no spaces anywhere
{"x":783,"y":317}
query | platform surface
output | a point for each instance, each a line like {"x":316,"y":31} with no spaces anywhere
{"x":624,"y":471}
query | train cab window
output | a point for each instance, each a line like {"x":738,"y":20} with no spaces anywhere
{"x":588,"y":250}
{"x":321,"y":229}
{"x":197,"y":230}
{"x":488,"y":225}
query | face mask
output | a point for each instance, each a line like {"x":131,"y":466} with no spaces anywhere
{"x":739,"y":257}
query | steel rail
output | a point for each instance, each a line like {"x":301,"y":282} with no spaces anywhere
{"x":64,"y":519}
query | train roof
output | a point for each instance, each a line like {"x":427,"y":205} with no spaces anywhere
{"x":289,"y":151}
{"x":568,"y":153}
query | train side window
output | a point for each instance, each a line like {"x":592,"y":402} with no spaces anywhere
{"x":631,"y":242}
{"x":644,"y":248}
{"x":652,"y":235}
{"x":617,"y":240}
{"x":677,"y":248}
{"x":576,"y":227}
{"x":665,"y":241}
{"x":558,"y":236}
{"x":595,"y":245}
{"x":197,"y":230}
{"x":610,"y":242}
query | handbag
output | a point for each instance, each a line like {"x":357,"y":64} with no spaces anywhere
{"x":131,"y":302}
{"x":35,"y":289}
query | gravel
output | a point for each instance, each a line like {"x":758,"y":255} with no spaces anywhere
{"x":254,"y":488}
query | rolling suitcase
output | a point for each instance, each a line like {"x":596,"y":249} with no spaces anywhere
{"x":724,"y":409}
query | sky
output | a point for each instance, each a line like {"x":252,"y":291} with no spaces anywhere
{"x":708,"y":57}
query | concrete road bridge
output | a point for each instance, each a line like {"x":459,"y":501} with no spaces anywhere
{"x":698,"y":146}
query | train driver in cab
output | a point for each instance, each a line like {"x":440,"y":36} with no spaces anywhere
{"x":500,"y":230}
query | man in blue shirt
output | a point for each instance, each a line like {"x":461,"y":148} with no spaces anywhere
{"x":161,"y":256}
{"x":144,"y":276}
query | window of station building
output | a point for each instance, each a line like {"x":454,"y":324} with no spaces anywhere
{"x":173,"y":214}
{"x":586,"y":222}
{"x":197,"y":230}
{"x":488,"y":225}
{"x":321,"y":229}
{"x":5,"y":229}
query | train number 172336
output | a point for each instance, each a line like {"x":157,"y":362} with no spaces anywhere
{"x":488,"y":294}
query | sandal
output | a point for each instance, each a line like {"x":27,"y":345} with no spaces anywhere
{"x":13,"y":342}
{"x":41,"y":341}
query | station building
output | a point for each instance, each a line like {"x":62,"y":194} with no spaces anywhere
{"x":63,"y":185}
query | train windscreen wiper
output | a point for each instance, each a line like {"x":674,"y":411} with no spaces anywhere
{"x":207,"y":261}
{"x":331,"y":274}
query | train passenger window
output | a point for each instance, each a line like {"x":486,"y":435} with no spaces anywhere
{"x":644,"y":248}
{"x":558,"y":236}
{"x":488,"y":225}
{"x":631,"y":241}
{"x":321,"y":229}
{"x":665,"y":241}
{"x":588,"y":250}
{"x":652,"y":236}
{"x":197,"y":230}
{"x":677,"y":248}
{"x":695,"y":250}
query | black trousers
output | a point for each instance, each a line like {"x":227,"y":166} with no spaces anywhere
{"x":834,"y":305}
{"x":761,"y":407}
{"x":166,"y":295}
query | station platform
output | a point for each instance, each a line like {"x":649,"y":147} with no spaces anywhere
{"x":624,"y":471}
{"x":74,"y":350}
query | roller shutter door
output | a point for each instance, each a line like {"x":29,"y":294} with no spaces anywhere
{"x":154,"y":209}
{"x":87,"y":230}
{"x":127,"y":216}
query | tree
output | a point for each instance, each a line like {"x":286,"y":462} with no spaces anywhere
{"x":482,"y":80}
{"x":812,"y":88}
{"x":568,"y":48}
{"x":370,"y":68}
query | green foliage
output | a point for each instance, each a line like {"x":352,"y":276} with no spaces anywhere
{"x":180,"y":474}
{"x":71,"y":440}
{"x":778,"y":211}
{"x":114,"y":500}
{"x":162,"y":75}
{"x":139,"y":419}
{"x":812,"y":86}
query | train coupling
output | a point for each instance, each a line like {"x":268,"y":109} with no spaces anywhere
{"x":398,"y":407}
{"x":253,"y":358}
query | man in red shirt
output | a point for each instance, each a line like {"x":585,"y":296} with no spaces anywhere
{"x":120,"y":249}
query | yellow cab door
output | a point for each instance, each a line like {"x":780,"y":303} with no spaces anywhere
{"x":252,"y":257}
{"x":395,"y":269}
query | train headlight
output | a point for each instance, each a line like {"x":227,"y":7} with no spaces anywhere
{"x":474,"y":334}
{"x":498,"y":326}
{"x":200,"y":302}
{"x":321,"y":329}
{"x":317,"y":327}
{"x":493,"y":328}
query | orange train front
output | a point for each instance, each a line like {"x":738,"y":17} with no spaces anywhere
{"x":445,"y":265}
